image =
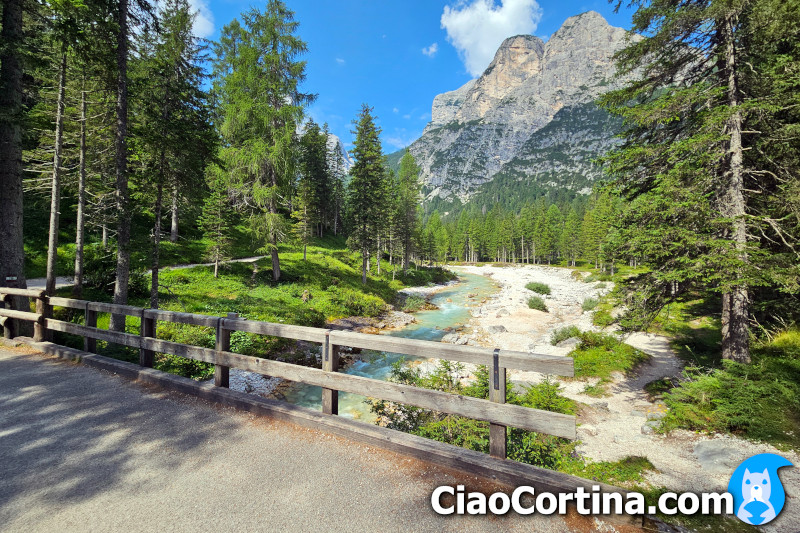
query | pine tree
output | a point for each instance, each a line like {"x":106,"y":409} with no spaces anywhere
{"x":701,"y":198}
{"x":365,"y":191}
{"x":570,"y":239}
{"x":215,"y":221}
{"x":174,"y":131}
{"x":257,"y":84}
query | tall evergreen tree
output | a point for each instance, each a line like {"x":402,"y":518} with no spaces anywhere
{"x":368,"y":177}
{"x":258,"y":76}
{"x":407,"y":207}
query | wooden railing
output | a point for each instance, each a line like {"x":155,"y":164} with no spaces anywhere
{"x":495,"y":411}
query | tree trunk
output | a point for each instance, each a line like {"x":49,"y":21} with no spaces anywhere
{"x":105,"y":236}
{"x":121,"y":168}
{"x":157,"y":240}
{"x":173,"y":230}
{"x":378,"y":256}
{"x":55,"y":192}
{"x":735,"y":339}
{"x":80,"y":222}
{"x":216,"y":266}
{"x":364,"y":262}
{"x":12,"y":254}
{"x":305,"y":246}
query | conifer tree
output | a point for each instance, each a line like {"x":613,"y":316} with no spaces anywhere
{"x":407,"y":207}
{"x":215,"y":221}
{"x":257,"y":84}
{"x":365,"y":209}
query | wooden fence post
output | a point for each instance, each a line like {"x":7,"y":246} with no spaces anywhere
{"x":40,"y":333}
{"x":147,"y":328}
{"x":90,"y":321}
{"x":221,"y":372}
{"x":8,"y":323}
{"x":330,"y":363}
{"x":497,"y":394}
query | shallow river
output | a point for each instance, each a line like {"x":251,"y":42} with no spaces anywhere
{"x":453,"y":310}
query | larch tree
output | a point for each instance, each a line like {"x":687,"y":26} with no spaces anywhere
{"x":257,"y":84}
{"x":407,"y":208}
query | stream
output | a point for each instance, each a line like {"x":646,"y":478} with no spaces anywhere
{"x":453,"y":302}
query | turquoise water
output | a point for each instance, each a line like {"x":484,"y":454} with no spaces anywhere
{"x":453,"y":304}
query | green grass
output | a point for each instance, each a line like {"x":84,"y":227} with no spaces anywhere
{"x":596,"y":391}
{"x":540,"y":288}
{"x":535,"y":302}
{"x":412,"y":303}
{"x":562,"y":334}
{"x":599,"y":355}
{"x":589,"y":303}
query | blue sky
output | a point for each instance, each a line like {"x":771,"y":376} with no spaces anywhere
{"x":396,"y":55}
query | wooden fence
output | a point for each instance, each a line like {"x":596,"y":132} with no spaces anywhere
{"x":495,"y":411}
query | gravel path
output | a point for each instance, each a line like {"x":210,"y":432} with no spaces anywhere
{"x":83,"y":450}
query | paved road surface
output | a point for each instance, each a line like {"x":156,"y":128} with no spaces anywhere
{"x":83,"y":450}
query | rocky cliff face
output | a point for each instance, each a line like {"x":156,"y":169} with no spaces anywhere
{"x":487,"y":128}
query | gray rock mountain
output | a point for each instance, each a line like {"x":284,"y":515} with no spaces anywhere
{"x":528,"y":118}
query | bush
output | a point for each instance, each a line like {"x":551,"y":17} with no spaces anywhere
{"x":413,"y":302}
{"x":537,"y":303}
{"x":589,"y":303}
{"x":562,"y":334}
{"x":541,"y":288}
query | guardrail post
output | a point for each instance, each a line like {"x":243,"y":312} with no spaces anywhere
{"x":9,"y":329}
{"x":147,"y":328}
{"x":497,"y":394}
{"x":330,"y":363}
{"x":221,"y":372}
{"x":90,"y":321}
{"x":40,"y":333}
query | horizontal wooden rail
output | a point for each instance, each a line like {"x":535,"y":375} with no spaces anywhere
{"x":191,"y":319}
{"x":505,"y":414}
{"x":546,"y":364}
{"x":30,"y":293}
{"x":68,"y":302}
{"x":302,"y":333}
{"x":21,"y":315}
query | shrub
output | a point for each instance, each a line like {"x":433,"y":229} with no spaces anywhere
{"x":541,"y":288}
{"x":562,"y":334}
{"x":413,"y":302}
{"x":589,"y":303}
{"x":537,"y":303}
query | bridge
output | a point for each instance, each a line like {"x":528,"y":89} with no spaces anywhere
{"x":130,"y":447}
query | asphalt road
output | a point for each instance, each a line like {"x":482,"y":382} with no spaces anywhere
{"x":84,"y":450}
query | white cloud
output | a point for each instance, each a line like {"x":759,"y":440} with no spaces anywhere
{"x":395,"y":110}
{"x":408,"y":116}
{"x":476,"y":28}
{"x":340,"y":60}
{"x":204,"y":20}
{"x":401,"y":138}
{"x":431,"y":50}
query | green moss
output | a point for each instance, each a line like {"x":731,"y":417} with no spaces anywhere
{"x":599,"y":355}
